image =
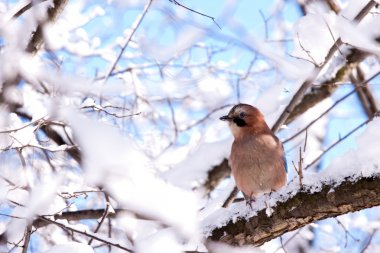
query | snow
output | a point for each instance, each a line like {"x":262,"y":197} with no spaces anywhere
{"x":126,"y":173}
{"x":164,"y":239}
{"x":192,"y":171}
{"x":360,"y":35}
{"x":306,"y":45}
{"x":352,"y":8}
{"x":225,"y":248}
{"x":73,"y":247}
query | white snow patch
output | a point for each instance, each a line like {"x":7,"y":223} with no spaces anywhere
{"x":164,"y":239}
{"x":73,"y":247}
{"x":192,"y":171}
{"x":225,"y":248}
{"x":310,"y":27}
{"x":116,"y":163}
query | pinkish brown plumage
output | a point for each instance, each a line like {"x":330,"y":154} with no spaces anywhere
{"x":257,"y":156}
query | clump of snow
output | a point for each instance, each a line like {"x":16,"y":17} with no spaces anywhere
{"x":71,"y":247}
{"x":116,"y":163}
{"x":164,"y":239}
{"x":294,"y":69}
{"x":310,"y":27}
{"x":192,"y":171}
{"x":352,"y":8}
{"x":364,"y":160}
{"x":225,"y":248}
{"x":360,"y":35}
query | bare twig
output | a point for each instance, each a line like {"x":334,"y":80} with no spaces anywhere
{"x":28,"y":232}
{"x":102,"y":109}
{"x":332,"y":35}
{"x":307,"y":52}
{"x":369,"y":240}
{"x":231,"y":197}
{"x":364,"y":93}
{"x":298,"y":168}
{"x":200,"y":121}
{"x":282,"y":245}
{"x":197,"y":12}
{"x":26,"y":7}
{"x":331,"y":107}
{"x":22,"y":127}
{"x":291,"y":238}
{"x":106,"y":211}
{"x":337,"y":142}
{"x":174,"y":122}
{"x":265,"y":23}
{"x":126,"y":43}
{"x":88,"y":234}
{"x":347,"y":233}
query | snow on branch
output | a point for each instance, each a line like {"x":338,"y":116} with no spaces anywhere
{"x":305,"y":207}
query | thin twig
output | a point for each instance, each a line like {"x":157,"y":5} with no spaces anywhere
{"x":332,"y":35}
{"x":312,"y":60}
{"x":231,"y":197}
{"x":265,"y":22}
{"x":126,"y":43}
{"x":337,"y":142}
{"x":331,"y":107}
{"x":72,"y":229}
{"x":22,"y":127}
{"x":282,"y":245}
{"x":106,"y":211}
{"x":26,"y":7}
{"x":197,"y":12}
{"x":291,"y":238}
{"x":101,"y":108}
{"x":205,"y":117}
{"x":174,"y":122}
{"x":368,"y":241}
{"x":346,"y":232}
{"x":305,"y":144}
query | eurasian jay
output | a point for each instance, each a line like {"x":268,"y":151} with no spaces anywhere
{"x":257,"y":156}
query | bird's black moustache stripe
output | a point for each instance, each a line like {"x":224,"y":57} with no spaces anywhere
{"x":239,"y":122}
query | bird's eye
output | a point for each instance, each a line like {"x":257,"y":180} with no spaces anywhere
{"x":242,"y":115}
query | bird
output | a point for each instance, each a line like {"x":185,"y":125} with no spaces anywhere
{"x":257,"y":157}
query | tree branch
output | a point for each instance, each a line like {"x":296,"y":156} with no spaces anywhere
{"x":53,"y":12}
{"x":303,"y":208}
{"x":217,"y":174}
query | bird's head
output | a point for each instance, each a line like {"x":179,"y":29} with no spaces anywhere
{"x":244,"y":118}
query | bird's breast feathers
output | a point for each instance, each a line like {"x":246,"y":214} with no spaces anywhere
{"x":257,"y":163}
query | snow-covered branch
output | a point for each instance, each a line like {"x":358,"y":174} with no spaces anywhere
{"x":305,"y":207}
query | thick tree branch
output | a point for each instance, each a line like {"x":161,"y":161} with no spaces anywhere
{"x":365,"y":95}
{"x":217,"y":174}
{"x":303,"y":208}
{"x":53,"y":12}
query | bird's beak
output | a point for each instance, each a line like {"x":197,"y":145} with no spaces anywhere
{"x":225,"y":118}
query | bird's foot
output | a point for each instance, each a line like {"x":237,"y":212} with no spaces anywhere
{"x":249,"y":202}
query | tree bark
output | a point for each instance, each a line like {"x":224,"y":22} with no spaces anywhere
{"x":303,"y":208}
